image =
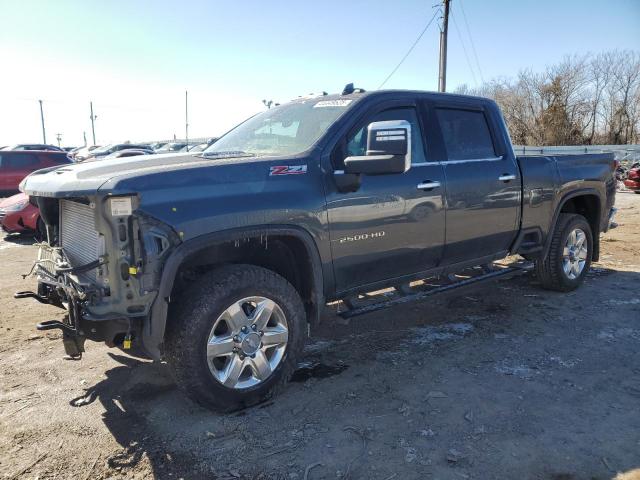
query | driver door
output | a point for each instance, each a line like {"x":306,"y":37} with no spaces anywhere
{"x":393,"y":224}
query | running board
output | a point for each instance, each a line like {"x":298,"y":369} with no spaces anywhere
{"x":404,"y":296}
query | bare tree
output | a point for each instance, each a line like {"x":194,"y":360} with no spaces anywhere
{"x":581,"y":100}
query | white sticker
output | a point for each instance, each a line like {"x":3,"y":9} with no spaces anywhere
{"x":332,"y":103}
{"x":120,"y":207}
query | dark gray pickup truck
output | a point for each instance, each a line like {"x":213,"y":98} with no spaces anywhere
{"x":218,"y":262}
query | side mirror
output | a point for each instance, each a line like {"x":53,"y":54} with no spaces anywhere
{"x":388,"y":149}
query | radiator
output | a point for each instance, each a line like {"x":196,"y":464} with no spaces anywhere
{"x":78,"y":236}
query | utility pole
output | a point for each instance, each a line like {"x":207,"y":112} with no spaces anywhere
{"x":267,"y":103}
{"x":442,"y":77}
{"x":59,"y":138}
{"x":44,"y":135}
{"x":186,"y":116}
{"x":93,"y":117}
{"x":84,"y":135}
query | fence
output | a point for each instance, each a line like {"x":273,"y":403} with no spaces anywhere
{"x":625,"y":154}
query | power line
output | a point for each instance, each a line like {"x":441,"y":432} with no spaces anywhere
{"x":464,"y":49}
{"x":473,"y":47}
{"x":410,"y":50}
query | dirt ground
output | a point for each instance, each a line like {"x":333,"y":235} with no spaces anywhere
{"x":504,"y":380}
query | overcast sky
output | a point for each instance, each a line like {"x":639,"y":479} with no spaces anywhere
{"x":135,"y":60}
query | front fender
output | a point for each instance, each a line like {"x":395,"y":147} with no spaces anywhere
{"x":154,"y":328}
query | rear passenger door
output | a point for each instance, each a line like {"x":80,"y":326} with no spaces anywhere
{"x":483,"y":185}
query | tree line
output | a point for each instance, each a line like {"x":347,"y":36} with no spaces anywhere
{"x":582,"y":100}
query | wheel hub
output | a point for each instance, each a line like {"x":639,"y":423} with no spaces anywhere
{"x":575,"y":253}
{"x":250,"y":343}
{"x":247,"y":342}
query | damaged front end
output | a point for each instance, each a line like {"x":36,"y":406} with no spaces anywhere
{"x":101,"y":262}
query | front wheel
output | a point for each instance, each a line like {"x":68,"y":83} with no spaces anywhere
{"x":569,"y":257}
{"x":235,"y":337}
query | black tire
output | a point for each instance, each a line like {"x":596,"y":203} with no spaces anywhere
{"x":549,"y":270}
{"x":192,"y":320}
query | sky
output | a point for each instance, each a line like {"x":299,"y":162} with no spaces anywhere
{"x":135,"y":59}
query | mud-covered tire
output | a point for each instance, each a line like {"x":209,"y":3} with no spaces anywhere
{"x":192,"y":320}
{"x":550,"y":270}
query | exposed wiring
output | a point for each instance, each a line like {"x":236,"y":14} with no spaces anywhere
{"x":410,"y":49}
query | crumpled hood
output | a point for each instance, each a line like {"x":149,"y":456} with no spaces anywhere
{"x":86,"y":178}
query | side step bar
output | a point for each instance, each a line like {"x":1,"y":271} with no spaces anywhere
{"x":404,"y":296}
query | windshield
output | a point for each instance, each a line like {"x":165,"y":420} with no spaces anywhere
{"x":281,"y":131}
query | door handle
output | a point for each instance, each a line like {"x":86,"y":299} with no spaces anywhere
{"x":428,"y":185}
{"x":506,"y":177}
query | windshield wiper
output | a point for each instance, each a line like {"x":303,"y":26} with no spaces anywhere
{"x":229,"y":153}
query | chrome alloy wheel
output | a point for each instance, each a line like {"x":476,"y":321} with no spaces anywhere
{"x":247,"y":342}
{"x":574,"y":254}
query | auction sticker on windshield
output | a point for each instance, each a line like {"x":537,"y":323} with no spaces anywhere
{"x":332,"y":103}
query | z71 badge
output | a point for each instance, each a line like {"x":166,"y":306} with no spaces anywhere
{"x":288,"y":170}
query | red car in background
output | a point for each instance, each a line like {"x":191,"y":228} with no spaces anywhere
{"x":633,"y":180}
{"x":17,"y":215}
{"x":17,"y":164}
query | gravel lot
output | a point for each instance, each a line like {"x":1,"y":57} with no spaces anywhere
{"x":504,"y":380}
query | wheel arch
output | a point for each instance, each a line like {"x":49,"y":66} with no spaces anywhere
{"x":586,"y":202}
{"x":287,"y":250}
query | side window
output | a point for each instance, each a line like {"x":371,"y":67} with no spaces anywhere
{"x":21,"y":160}
{"x":466,"y":134}
{"x":357,"y":143}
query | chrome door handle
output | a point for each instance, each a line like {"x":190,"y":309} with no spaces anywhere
{"x":428,"y":185}
{"x":506,"y":177}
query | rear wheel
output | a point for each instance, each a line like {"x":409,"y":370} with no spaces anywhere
{"x":569,"y":256}
{"x":235,"y":338}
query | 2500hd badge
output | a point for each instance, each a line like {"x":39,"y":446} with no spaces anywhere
{"x":362,"y":236}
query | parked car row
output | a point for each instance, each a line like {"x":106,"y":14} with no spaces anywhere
{"x":17,"y":164}
{"x":116,"y":150}
{"x":17,"y":214}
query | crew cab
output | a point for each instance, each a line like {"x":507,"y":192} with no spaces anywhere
{"x":219,"y":262}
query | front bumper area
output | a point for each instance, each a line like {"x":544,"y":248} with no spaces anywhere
{"x":64,"y":287}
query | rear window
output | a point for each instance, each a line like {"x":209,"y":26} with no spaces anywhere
{"x":466,"y":134}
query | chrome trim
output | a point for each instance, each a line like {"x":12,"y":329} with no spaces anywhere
{"x":428,"y":185}
{"x":506,"y":178}
{"x":473,"y":160}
